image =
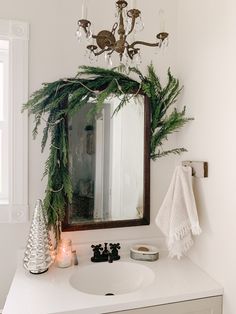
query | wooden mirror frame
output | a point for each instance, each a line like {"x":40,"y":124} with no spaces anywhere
{"x":146,"y":189}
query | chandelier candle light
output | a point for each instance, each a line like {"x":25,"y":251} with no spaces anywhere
{"x":107,"y":42}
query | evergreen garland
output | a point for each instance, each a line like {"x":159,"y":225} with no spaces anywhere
{"x":57,"y":101}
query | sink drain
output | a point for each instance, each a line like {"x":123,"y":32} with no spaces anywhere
{"x":108,"y":294}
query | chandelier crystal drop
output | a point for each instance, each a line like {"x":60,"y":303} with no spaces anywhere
{"x":129,"y":22}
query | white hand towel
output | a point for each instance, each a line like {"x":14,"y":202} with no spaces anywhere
{"x":177,"y":217}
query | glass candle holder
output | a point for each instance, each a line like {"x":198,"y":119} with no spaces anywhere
{"x":64,"y":253}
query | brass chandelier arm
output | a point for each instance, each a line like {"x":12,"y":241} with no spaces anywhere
{"x":143,"y":43}
{"x":114,"y":28}
{"x":133,"y":14}
{"x":132,"y":26}
{"x":129,"y":53}
{"x":103,"y":50}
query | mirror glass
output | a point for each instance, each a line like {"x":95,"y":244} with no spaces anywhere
{"x":106,"y":162}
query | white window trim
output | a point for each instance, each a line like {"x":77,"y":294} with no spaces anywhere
{"x":4,"y":57}
{"x":17,"y":33}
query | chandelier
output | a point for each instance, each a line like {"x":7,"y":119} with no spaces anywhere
{"x":118,"y":39}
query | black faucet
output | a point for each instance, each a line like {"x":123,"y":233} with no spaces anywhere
{"x":103,"y":254}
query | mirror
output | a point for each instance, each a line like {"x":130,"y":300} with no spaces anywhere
{"x":109,"y":166}
{"x":95,"y":165}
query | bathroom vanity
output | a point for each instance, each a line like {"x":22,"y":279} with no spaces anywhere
{"x":163,"y":287}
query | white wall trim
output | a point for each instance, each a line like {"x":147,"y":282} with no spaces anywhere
{"x":14,"y":29}
{"x":18,"y":34}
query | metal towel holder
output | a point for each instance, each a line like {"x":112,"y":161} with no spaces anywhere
{"x":199,"y":168}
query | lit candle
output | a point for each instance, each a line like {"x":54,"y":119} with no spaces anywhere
{"x":64,"y":253}
{"x":84,"y":10}
{"x":134,"y":4}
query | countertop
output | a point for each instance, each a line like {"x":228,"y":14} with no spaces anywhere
{"x":51,"y":293}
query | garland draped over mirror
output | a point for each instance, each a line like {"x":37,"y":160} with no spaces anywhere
{"x":59,"y":100}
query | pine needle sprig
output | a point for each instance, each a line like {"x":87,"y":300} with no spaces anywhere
{"x":175,"y":151}
{"x":170,"y":124}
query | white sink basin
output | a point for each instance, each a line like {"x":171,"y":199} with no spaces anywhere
{"x":112,"y":279}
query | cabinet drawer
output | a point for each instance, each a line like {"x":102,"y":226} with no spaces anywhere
{"x":211,"y":305}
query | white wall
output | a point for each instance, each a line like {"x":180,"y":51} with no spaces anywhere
{"x":207,"y":64}
{"x":54,"y":53}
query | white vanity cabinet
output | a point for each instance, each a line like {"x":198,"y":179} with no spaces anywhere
{"x":212,"y":305}
{"x":178,"y":287}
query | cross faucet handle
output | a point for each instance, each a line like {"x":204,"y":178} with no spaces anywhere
{"x":114,"y":246}
{"x":96,"y":249}
{"x":114,"y":250}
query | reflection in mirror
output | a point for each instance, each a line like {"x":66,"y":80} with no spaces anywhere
{"x":106,"y":160}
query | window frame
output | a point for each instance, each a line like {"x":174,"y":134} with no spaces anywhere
{"x":16,"y":209}
{"x":4,"y":59}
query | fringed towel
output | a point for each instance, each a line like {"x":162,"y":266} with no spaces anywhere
{"x":177,"y":217}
